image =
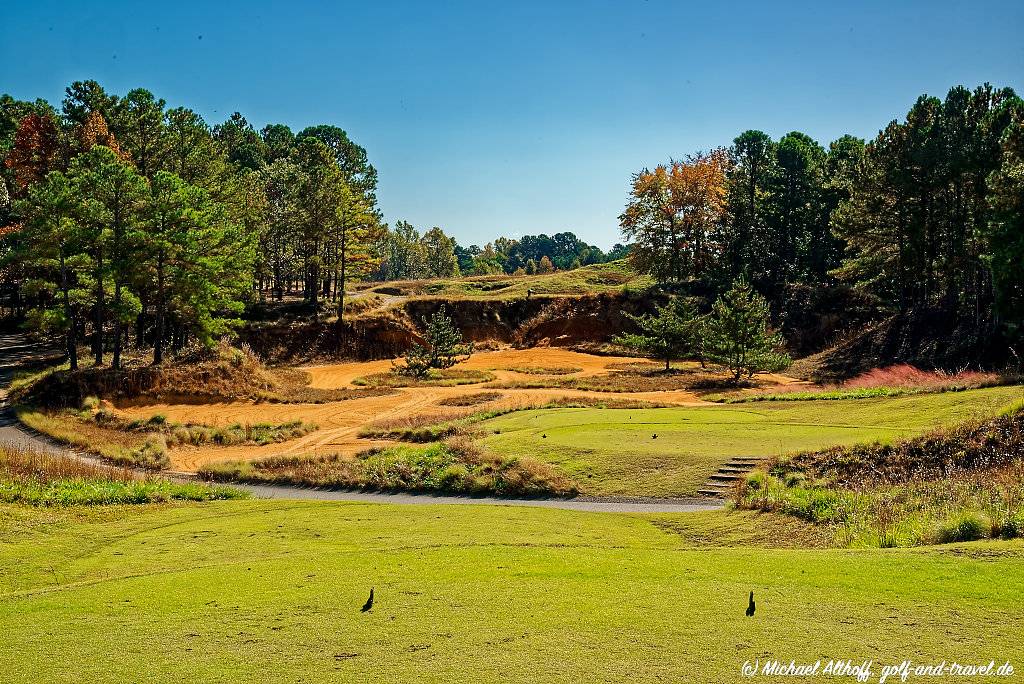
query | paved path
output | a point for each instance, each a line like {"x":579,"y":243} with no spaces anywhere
{"x":17,"y":351}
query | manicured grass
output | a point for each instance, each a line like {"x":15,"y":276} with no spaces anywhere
{"x":262,"y":591}
{"x":615,"y":452}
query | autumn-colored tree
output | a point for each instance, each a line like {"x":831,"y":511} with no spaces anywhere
{"x":36,"y":150}
{"x":94,"y":131}
{"x":545,"y":265}
{"x":675,"y":216}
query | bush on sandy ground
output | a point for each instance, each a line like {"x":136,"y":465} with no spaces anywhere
{"x":959,"y":484}
{"x":456,"y":466}
{"x":43,"y":479}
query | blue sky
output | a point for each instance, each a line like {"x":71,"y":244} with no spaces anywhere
{"x":510,"y":118}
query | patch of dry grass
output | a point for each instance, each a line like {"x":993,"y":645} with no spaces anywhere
{"x":132,"y":450}
{"x":450,"y":377}
{"x":456,"y":466}
{"x":543,"y":370}
{"x":473,"y":399}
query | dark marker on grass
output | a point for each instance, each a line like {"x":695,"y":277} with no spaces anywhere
{"x":369,"y":602}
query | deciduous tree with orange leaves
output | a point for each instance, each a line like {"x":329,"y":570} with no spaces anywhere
{"x":675,"y":216}
{"x":36,"y":150}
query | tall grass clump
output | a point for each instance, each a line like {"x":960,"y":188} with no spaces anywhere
{"x":45,"y":479}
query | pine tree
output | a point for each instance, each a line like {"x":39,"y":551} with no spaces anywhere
{"x":51,"y":249}
{"x":737,"y":334}
{"x":442,"y":347}
{"x":674,"y":332}
{"x":112,"y":191}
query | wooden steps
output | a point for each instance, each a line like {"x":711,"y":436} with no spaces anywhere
{"x":720,"y":484}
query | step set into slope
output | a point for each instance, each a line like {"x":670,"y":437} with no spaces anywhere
{"x":721,"y":484}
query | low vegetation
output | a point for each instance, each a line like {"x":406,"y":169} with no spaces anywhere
{"x":436,"y":378}
{"x":456,"y":466}
{"x":472,"y":399}
{"x":892,"y":381}
{"x":623,"y":381}
{"x":131,"y":450}
{"x":543,"y":370}
{"x":614,"y":276}
{"x":256,"y":434}
{"x":44,"y":479}
{"x":959,"y":484}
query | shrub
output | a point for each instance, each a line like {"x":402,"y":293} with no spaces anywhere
{"x":91,"y":403}
{"x":1013,"y":526}
{"x":152,"y":455}
{"x":967,"y":526}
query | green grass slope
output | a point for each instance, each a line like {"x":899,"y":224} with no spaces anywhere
{"x":611,"y":277}
{"x":613,"y":451}
{"x":270,"y":592}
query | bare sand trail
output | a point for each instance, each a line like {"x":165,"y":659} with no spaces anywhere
{"x":340,"y":422}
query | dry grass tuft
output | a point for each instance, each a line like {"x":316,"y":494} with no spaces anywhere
{"x":471,"y":399}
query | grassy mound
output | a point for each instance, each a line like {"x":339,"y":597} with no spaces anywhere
{"x":128,"y":449}
{"x":450,"y":377}
{"x":456,"y":467}
{"x":42,"y":479}
{"x":222,"y":373}
{"x":544,"y":370}
{"x":672,"y":451}
{"x":959,"y":484}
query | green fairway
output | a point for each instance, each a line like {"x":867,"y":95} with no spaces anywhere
{"x":614,"y":451}
{"x":271,"y":591}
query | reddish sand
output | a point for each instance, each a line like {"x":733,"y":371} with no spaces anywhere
{"x":340,"y":422}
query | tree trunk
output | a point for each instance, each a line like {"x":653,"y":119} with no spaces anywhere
{"x":158,"y":342}
{"x":97,"y":345}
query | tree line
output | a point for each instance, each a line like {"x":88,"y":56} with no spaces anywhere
{"x":121,"y":215}
{"x":929,"y":213}
{"x":403,"y":253}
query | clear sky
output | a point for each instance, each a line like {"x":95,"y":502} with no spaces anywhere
{"x":510,"y":118}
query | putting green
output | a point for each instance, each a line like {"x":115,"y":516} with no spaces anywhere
{"x":615,"y":451}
